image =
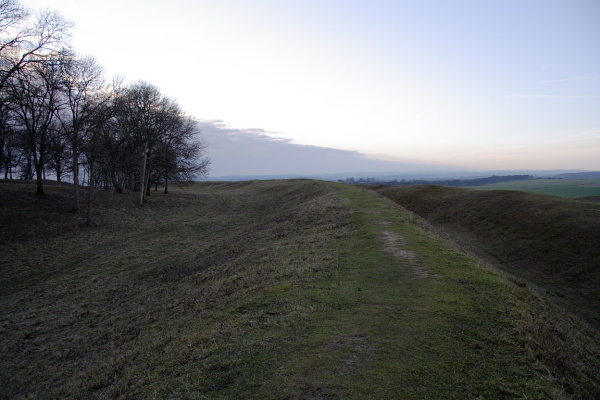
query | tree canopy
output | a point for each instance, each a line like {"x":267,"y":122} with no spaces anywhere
{"x":60,"y":119}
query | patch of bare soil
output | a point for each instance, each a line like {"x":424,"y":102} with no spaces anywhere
{"x":394,"y":244}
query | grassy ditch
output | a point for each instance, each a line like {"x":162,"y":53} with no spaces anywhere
{"x":269,"y":290}
{"x":550,"y":241}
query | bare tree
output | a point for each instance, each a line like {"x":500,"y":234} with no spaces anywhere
{"x":144,"y":114}
{"x":27,"y":39}
{"x":58,"y":153}
{"x":54,"y":104}
{"x":11,"y":158}
{"x":6,"y":132}
{"x":85,"y":95}
{"x":94,"y":148}
{"x":180,"y":152}
{"x":34,"y":101}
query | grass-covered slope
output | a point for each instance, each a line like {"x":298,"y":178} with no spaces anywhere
{"x":266,"y":290}
{"x":551,"y":241}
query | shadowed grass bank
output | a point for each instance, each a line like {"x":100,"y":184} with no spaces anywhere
{"x":270,"y":290}
{"x":550,"y":241}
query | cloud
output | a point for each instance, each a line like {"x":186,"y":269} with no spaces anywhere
{"x":579,"y":78}
{"x":236,"y":151}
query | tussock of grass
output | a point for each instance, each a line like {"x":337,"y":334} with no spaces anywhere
{"x":272,"y":290}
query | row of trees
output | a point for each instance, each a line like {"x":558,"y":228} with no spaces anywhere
{"x":59,"y":117}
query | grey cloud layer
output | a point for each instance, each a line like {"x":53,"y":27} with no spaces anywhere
{"x":254,"y":152}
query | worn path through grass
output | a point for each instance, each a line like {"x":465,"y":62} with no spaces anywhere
{"x":275,"y":290}
{"x":427,"y":321}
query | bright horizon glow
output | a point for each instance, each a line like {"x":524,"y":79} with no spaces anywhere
{"x":480,"y":85}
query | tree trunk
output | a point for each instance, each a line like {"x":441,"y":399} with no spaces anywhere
{"x":148,"y":172}
{"x":148,"y":183}
{"x":7,"y":161}
{"x":143,"y":176}
{"x":115,"y":180}
{"x":28,"y":172}
{"x":39,"y":177}
{"x":2,"y":150}
{"x":166,"y":186}
{"x":90,"y":194}
{"x":39,"y":181}
{"x":75,"y":182}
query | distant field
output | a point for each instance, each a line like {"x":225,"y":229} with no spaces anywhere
{"x":557,"y":187}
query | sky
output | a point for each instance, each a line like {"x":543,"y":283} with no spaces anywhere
{"x":462,"y":84}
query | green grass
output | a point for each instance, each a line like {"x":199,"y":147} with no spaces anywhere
{"x":557,"y":187}
{"x":550,"y":241}
{"x":268,"y":290}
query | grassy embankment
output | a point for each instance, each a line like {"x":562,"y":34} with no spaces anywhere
{"x":556,"y":187}
{"x":550,"y":241}
{"x":270,"y":290}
